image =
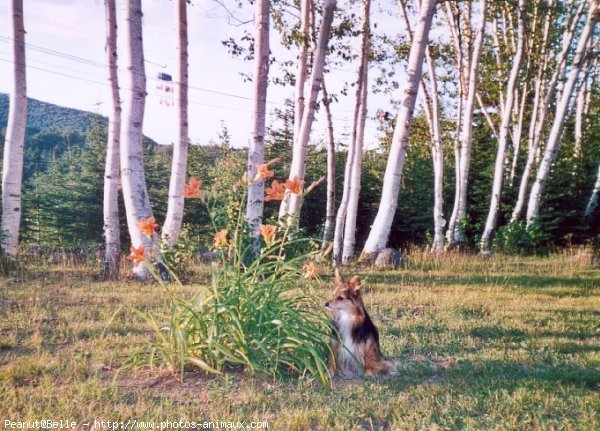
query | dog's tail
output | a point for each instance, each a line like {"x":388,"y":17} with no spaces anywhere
{"x":384,"y":368}
{"x":392,"y":367}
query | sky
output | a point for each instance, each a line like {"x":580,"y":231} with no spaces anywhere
{"x":66,"y":66}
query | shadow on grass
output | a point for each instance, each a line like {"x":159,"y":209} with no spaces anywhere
{"x":510,"y":374}
{"x":492,"y":374}
{"x":585,"y":286}
{"x":496,"y":332}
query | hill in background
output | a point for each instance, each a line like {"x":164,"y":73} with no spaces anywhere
{"x":42,"y":116}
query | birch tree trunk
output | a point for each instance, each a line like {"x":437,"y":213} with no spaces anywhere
{"x":331,"y":168}
{"x":112,"y":256}
{"x":492,"y":217}
{"x":356,"y":168}
{"x":433,"y":114}
{"x":176,"y":201}
{"x":306,"y":24}
{"x":437,"y":157}
{"x":135,"y":193}
{"x":305,"y":9}
{"x":593,"y":202}
{"x":12,"y":172}
{"x":455,"y":233}
{"x":340,"y":220}
{"x":579,"y":117}
{"x":455,"y":28}
{"x":256,"y":152}
{"x":581,"y":103}
{"x":553,"y":143}
{"x":542,"y":102}
{"x":519,"y":117}
{"x":380,"y":229}
{"x":292,"y":202}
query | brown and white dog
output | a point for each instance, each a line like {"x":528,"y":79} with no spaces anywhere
{"x":356,"y":350}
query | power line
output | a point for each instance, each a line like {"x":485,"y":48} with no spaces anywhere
{"x":76,"y":58}
{"x":107,"y":84}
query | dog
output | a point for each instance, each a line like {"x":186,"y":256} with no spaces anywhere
{"x":355,"y":344}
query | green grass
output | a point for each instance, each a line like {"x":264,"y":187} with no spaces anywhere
{"x":500,"y":343}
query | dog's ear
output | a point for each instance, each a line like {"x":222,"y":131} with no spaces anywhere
{"x":354,"y":284}
{"x":338,"y":277}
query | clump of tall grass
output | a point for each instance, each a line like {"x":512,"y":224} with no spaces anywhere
{"x":258,"y":314}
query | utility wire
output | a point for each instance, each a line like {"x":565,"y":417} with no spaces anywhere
{"x":154,"y":94}
{"x":86,"y":61}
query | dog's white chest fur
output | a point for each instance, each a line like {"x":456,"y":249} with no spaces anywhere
{"x":350,"y":356}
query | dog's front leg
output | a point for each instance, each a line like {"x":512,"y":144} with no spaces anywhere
{"x":333,"y":356}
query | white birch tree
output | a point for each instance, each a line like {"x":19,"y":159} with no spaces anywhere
{"x":331,"y":170}
{"x":553,"y":141}
{"x":507,"y":112}
{"x":112,"y":254}
{"x":433,"y":116}
{"x":340,"y":218}
{"x":593,"y":202}
{"x":256,"y":152}
{"x":305,"y":13}
{"x":175,"y":206}
{"x":12,"y":167}
{"x":380,"y":229}
{"x":544,"y":95}
{"x":135,"y":192}
{"x":291,"y":203}
{"x":582,"y":102}
{"x":469,"y":73}
{"x":358,"y":139}
{"x":306,"y":28}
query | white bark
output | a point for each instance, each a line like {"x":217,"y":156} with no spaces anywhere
{"x":433,"y":115}
{"x":552,"y":144}
{"x":112,"y":256}
{"x":593,"y":202}
{"x":498,"y":57}
{"x":490,"y":224}
{"x":519,"y":113}
{"x":455,"y":233}
{"x":175,"y":206}
{"x":135,"y":193}
{"x":305,"y":9}
{"x":581,"y":104}
{"x":544,"y":94}
{"x":331,"y":168}
{"x":292,"y":202}
{"x":455,"y":29}
{"x":340,"y":220}
{"x":306,"y":25}
{"x":12,"y":173}
{"x":437,"y":157}
{"x":256,"y":152}
{"x":380,"y":229}
{"x":356,"y":168}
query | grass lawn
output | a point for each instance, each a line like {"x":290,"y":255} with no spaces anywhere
{"x":498,"y":343}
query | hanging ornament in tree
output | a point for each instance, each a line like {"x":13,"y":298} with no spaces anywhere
{"x":165,"y":89}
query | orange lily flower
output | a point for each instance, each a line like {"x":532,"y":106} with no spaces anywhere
{"x":275,"y":192}
{"x":263,"y":170}
{"x":192,"y":188}
{"x":267,"y":232}
{"x":221,"y":238}
{"x":295,"y":185}
{"x":311,"y":270}
{"x":137,"y":254}
{"x":147,"y":226}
